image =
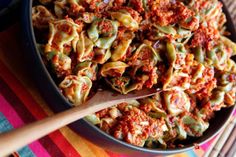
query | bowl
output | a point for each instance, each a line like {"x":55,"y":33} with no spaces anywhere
{"x":57,"y":101}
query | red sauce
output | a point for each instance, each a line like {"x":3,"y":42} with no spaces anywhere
{"x":102,"y":113}
{"x":146,"y":107}
{"x":105,"y":26}
{"x":137,"y":5}
{"x":165,"y":13}
{"x":134,"y":120}
{"x":204,"y":36}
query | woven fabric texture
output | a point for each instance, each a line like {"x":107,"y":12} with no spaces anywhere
{"x":231,"y":5}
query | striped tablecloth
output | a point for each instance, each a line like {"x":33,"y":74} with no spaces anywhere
{"x":21,"y":103}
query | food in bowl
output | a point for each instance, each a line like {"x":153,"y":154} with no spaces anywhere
{"x":176,"y":45}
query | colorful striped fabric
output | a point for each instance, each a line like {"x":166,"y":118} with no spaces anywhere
{"x":21,"y":103}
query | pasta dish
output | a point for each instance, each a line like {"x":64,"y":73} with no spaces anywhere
{"x":180,"y":46}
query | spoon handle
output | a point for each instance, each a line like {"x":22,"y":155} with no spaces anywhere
{"x":15,"y":139}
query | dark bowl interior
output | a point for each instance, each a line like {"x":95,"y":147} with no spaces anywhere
{"x":58,"y":103}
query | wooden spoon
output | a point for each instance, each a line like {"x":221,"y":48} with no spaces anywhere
{"x":15,"y":139}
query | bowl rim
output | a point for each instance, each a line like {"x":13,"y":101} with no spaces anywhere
{"x":28,"y":26}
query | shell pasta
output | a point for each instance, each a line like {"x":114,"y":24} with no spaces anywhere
{"x":180,"y":46}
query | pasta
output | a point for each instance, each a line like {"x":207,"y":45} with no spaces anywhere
{"x":179,"y":46}
{"x":76,"y":88}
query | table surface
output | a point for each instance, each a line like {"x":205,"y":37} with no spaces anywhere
{"x":21,"y":103}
